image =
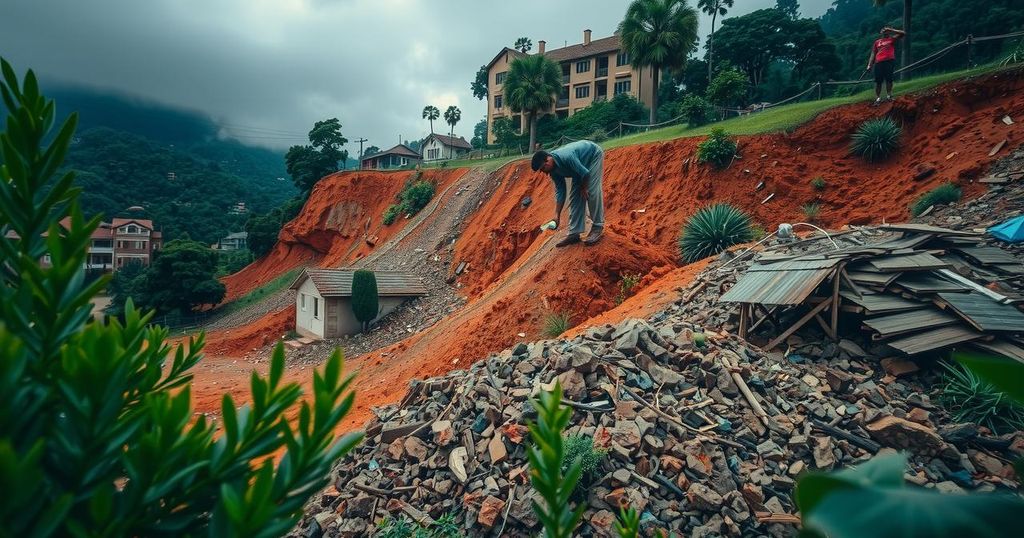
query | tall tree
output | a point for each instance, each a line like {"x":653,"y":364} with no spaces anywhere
{"x":182,"y":277}
{"x":713,"y":8}
{"x":479,"y":84}
{"x":531,"y":86}
{"x":523,"y":44}
{"x":659,"y":34}
{"x":479,"y":134}
{"x":452,"y":116}
{"x":790,"y":7}
{"x":370,"y":150}
{"x":365,"y":299}
{"x":908,"y":8}
{"x":307,"y":164}
{"x":431,"y":113}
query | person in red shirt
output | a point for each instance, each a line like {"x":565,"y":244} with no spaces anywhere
{"x":883,"y":58}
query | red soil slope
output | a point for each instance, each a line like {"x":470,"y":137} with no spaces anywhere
{"x":340,"y":223}
{"x":515,"y":277}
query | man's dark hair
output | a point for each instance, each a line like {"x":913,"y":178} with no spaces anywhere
{"x":538,"y":159}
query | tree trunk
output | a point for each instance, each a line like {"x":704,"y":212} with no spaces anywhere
{"x":654,"y":96}
{"x":533,"y":132}
{"x":451,"y":148}
{"x":431,"y":126}
{"x":908,"y":7}
{"x":711,"y":44}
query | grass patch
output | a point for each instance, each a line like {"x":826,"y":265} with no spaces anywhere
{"x":556,"y":324}
{"x":819,"y":183}
{"x":811,"y":211}
{"x":260,"y":293}
{"x":970,"y":398}
{"x":946,"y":193}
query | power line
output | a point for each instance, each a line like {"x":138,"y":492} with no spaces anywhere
{"x":268,"y":130}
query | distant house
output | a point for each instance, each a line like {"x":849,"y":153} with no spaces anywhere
{"x":397,"y":157}
{"x":437,"y":147}
{"x":323,"y":304}
{"x":112,"y":244}
{"x":235,"y":241}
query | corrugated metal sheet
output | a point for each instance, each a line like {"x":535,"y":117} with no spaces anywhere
{"x":881,"y":303}
{"x":1004,"y":348}
{"x":983,"y":312}
{"x":934,"y":339}
{"x":988,"y":255}
{"x":338,"y":283}
{"x":906,"y":322}
{"x":923,"y":228}
{"x":872,"y":278}
{"x":776,"y":287}
{"x":927,"y":282}
{"x":910,"y":262}
{"x":800,"y":264}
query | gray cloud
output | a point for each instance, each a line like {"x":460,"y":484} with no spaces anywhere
{"x":270,"y":68}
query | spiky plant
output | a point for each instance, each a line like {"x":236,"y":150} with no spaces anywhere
{"x":877,"y":139}
{"x":970,"y":398}
{"x":818,"y":183}
{"x":811,"y":211}
{"x":946,"y":193}
{"x":627,"y":523}
{"x":713,"y":229}
{"x":556,"y":324}
{"x":717,"y":149}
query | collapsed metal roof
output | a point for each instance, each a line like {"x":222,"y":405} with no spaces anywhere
{"x":338,"y":283}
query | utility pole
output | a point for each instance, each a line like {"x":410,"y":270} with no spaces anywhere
{"x":360,"y":140}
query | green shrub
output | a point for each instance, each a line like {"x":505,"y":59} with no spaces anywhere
{"x":728,"y":88}
{"x":365,"y":301}
{"x":547,"y":458}
{"x":391,"y":213}
{"x":946,"y":193}
{"x":695,"y":109}
{"x":417,"y":196}
{"x":627,"y":282}
{"x":581,"y":447}
{"x":757,"y":231}
{"x":818,"y":183}
{"x":97,"y":431}
{"x":811,"y":211}
{"x":717,"y":149}
{"x":877,"y":139}
{"x":969,"y":398}
{"x":402,"y":527}
{"x":713,"y":229}
{"x":556,"y":324}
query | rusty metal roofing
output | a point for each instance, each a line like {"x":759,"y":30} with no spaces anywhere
{"x":983,"y":312}
{"x":776,"y":287}
{"x":338,"y":283}
{"x":934,"y":339}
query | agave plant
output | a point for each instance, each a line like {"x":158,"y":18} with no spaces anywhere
{"x":811,"y":211}
{"x":943,"y":194}
{"x":556,"y":324}
{"x":712,"y":230}
{"x":876,"y":139}
{"x":969,"y":398}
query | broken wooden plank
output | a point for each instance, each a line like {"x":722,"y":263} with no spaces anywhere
{"x":997,"y":147}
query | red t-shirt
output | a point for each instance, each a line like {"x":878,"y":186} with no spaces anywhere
{"x":885,"y":49}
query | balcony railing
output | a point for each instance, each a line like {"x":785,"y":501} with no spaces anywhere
{"x":562,"y":102}
{"x":602,"y":72}
{"x":565,"y":78}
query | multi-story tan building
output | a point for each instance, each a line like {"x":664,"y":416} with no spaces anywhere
{"x":591,"y":71}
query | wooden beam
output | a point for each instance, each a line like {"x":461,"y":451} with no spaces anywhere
{"x":835,"y":303}
{"x":800,"y":323}
{"x":824,"y":326}
{"x":743,"y":320}
{"x":767,"y":316}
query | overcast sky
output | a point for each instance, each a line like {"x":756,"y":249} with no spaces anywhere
{"x":270,"y":68}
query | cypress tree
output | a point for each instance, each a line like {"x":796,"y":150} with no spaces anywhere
{"x":365,"y":303}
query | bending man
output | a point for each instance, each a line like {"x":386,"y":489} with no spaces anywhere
{"x":583,"y":162}
{"x":883,"y":57}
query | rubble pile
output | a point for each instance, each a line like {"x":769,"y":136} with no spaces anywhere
{"x":705,"y":435}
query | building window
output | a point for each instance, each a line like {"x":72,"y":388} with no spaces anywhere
{"x":623,"y":86}
{"x":583,"y":66}
{"x":583,"y":91}
{"x":622,"y":58}
{"x":302,"y":301}
{"x":499,"y":78}
{"x":316,"y":307}
{"x":498,"y":102}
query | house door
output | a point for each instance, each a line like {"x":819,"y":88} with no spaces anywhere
{"x":331,"y":319}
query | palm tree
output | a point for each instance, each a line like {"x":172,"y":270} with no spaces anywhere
{"x":713,"y":8}
{"x":908,"y":9}
{"x":531,"y":86}
{"x":431,"y":113}
{"x":523,"y":44}
{"x":659,"y":34}
{"x":451,"y":117}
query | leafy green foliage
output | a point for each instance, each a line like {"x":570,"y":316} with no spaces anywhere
{"x":431,"y":113}
{"x":452,"y":116}
{"x":819,"y":183}
{"x":877,"y":139}
{"x":546,"y":457}
{"x":627,"y":523}
{"x":402,"y":527}
{"x":659,"y":34}
{"x":713,"y":229}
{"x":728,"y":88}
{"x":718,"y":149}
{"x":627,"y":281}
{"x":415,"y":195}
{"x":947,"y":193}
{"x":872,"y":499}
{"x":264,"y":229}
{"x":1007,"y":376}
{"x":232,"y":261}
{"x":479,"y":139}
{"x":811,"y":211}
{"x":308,"y":164}
{"x":181,"y":277}
{"x":523,"y":44}
{"x":365,"y":301}
{"x":531,"y":86}
{"x":695,"y":109}
{"x":556,"y":324}
{"x":970,"y":398}
{"x":580,"y":448}
{"x":479,"y":84}
{"x":97,"y":433}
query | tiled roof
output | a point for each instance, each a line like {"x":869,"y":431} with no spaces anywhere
{"x":338,"y":283}
{"x":400,"y":149}
{"x":117,"y":223}
{"x":451,"y":141}
{"x":596,"y":46}
{"x":515,"y":54}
